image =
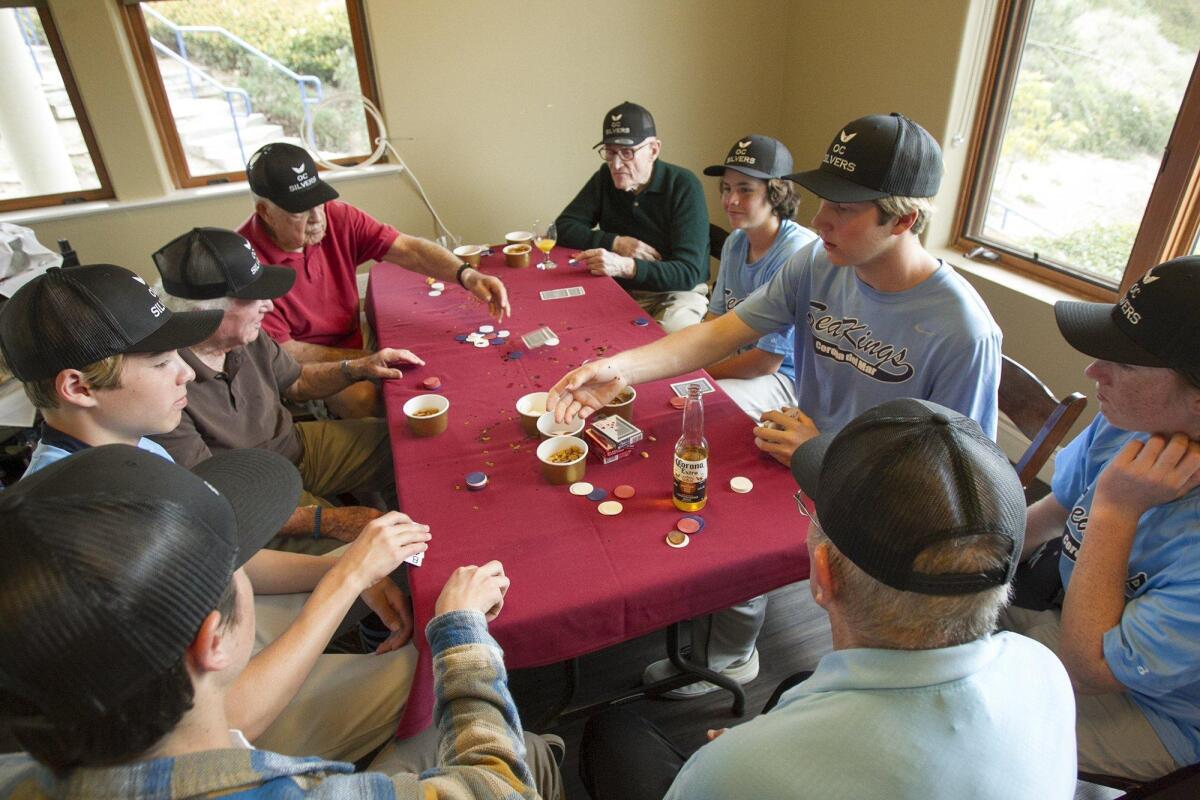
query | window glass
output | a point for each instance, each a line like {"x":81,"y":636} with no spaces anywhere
{"x":43,"y":152}
{"x":240,"y":73}
{"x":1097,"y":91}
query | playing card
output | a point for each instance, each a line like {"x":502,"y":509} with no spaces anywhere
{"x":681,"y":388}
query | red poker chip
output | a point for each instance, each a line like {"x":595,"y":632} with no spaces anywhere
{"x":687,"y":525}
{"x":432,"y":382}
{"x":624,"y":491}
{"x":678,"y":402}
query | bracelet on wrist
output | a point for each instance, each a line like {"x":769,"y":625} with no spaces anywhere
{"x":346,"y":371}
{"x":459,"y":275}
{"x":316,"y":522}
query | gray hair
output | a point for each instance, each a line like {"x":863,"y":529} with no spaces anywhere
{"x":881,"y":616}
{"x":187,"y":304}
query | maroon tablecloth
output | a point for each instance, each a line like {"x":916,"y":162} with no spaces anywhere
{"x":580,"y":581}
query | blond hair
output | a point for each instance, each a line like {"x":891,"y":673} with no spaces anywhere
{"x":102,"y":374}
{"x":893,"y":207}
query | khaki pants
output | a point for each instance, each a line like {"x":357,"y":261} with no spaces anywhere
{"x":673,"y":310}
{"x":418,"y":753}
{"x":757,"y":396}
{"x":347,"y":706}
{"x":1112,"y":734}
{"x":340,"y":455}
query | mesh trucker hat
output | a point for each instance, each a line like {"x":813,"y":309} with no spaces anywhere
{"x":287,"y":176}
{"x":69,"y":318}
{"x":627,"y":124}
{"x":757,"y":156}
{"x":111,"y":559}
{"x":1156,"y":323}
{"x":906,"y":475}
{"x":213,"y":262}
{"x":875,"y":157}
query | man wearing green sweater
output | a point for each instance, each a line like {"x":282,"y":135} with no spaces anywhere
{"x":642,"y":221}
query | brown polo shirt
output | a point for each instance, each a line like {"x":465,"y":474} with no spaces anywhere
{"x":237,"y":407}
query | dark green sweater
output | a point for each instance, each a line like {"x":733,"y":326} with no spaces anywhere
{"x":669,"y":215}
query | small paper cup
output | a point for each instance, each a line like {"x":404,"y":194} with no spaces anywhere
{"x":519,"y":237}
{"x":517,"y":255}
{"x":530,"y":407}
{"x":548,"y":428}
{"x":470,"y":253}
{"x":562,"y":473}
{"x":622,"y":405}
{"x":427,"y":424}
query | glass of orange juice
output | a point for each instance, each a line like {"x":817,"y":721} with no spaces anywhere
{"x":545,"y":238}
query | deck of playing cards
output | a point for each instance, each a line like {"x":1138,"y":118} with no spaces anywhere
{"x":562,"y":294}
{"x":612,"y":438}
{"x":539,"y":337}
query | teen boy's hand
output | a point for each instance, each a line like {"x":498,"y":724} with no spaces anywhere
{"x":474,"y":588}
{"x":788,"y":429}
{"x":394,"y":609}
{"x":379,"y":549}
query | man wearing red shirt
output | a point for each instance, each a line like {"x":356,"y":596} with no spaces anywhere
{"x":298,"y":223}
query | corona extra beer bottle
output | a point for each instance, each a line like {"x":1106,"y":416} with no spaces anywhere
{"x":690,"y":491}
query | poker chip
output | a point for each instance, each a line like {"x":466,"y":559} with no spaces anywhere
{"x":432,"y":382}
{"x":486,"y":329}
{"x":435,"y":293}
{"x":687,"y":525}
{"x":438,"y":286}
{"x":502,"y":334}
{"x":581,"y":488}
{"x":490,"y":336}
{"x":499,"y":342}
{"x":677,"y":539}
{"x":699,"y":521}
{"x":641,"y":322}
{"x":624,"y":491}
{"x":482,"y":343}
{"x":740,"y":484}
{"x":596,"y":495}
{"x":515,"y":354}
{"x":476,"y":481}
{"x":678,"y":402}
{"x":610,"y":508}
{"x":462,"y":337}
{"x":552,"y":341}
{"x":474,"y":337}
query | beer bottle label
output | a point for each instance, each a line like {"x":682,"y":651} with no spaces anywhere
{"x":691,"y":480}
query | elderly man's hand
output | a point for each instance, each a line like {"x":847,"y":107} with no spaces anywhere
{"x":631,"y":247}
{"x":585,"y":390}
{"x":380,"y":364}
{"x":490,"y":290}
{"x":787,"y":430}
{"x":605,"y":262}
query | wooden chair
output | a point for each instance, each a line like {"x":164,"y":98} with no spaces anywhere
{"x":716,"y":240}
{"x":1037,"y":413}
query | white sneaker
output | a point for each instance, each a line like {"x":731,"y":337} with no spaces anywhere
{"x":741,"y":671}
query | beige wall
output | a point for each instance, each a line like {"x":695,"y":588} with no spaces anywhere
{"x":495,"y":107}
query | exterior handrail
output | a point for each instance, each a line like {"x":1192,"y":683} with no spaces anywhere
{"x":228,"y":91}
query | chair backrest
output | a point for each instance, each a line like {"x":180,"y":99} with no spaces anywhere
{"x":1037,"y":413}
{"x":716,"y":240}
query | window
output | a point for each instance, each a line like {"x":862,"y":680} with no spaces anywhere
{"x":1086,"y":169}
{"x":47,"y":154}
{"x":227,"y":76}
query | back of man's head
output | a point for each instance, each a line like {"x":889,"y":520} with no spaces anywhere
{"x":111,"y":560}
{"x":924,"y":518}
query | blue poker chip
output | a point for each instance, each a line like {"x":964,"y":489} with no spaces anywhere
{"x":476,"y":481}
{"x":462,"y":337}
{"x":641,"y":322}
{"x":699,"y":519}
{"x":499,"y":340}
{"x":516,"y":354}
{"x":596,"y":495}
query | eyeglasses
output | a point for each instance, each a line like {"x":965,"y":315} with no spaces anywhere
{"x":610,"y":153}
{"x":802,"y":507}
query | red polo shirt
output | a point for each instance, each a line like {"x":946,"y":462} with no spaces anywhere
{"x":322,"y":306}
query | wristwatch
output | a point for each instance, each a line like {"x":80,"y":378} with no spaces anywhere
{"x":458,"y":275}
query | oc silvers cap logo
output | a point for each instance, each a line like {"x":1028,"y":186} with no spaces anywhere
{"x":157,"y":308}
{"x":615,"y":126}
{"x":256,"y":266}
{"x":846,"y":137}
{"x":837,"y":155}
{"x":303,"y":179}
{"x":740,"y":154}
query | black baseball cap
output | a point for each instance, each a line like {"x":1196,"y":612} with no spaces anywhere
{"x":905,"y":475}
{"x":287,"y":176}
{"x":1156,"y":323}
{"x":69,"y":318}
{"x":875,"y":157}
{"x":213,"y":262}
{"x":757,"y":156}
{"x":627,"y":124}
{"x":112,"y":558}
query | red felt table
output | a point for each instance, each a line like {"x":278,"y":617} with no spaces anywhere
{"x":580,"y":581}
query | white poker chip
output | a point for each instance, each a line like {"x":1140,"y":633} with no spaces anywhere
{"x":551,"y":342}
{"x":581,"y":488}
{"x":677,"y":539}
{"x":486,"y":329}
{"x":502,"y":334}
{"x":482,"y":343}
{"x":439,"y":286}
{"x":435,"y":293}
{"x":740,"y":484}
{"x":610,"y":508}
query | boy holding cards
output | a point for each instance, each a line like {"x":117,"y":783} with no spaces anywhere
{"x":876,"y":317}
